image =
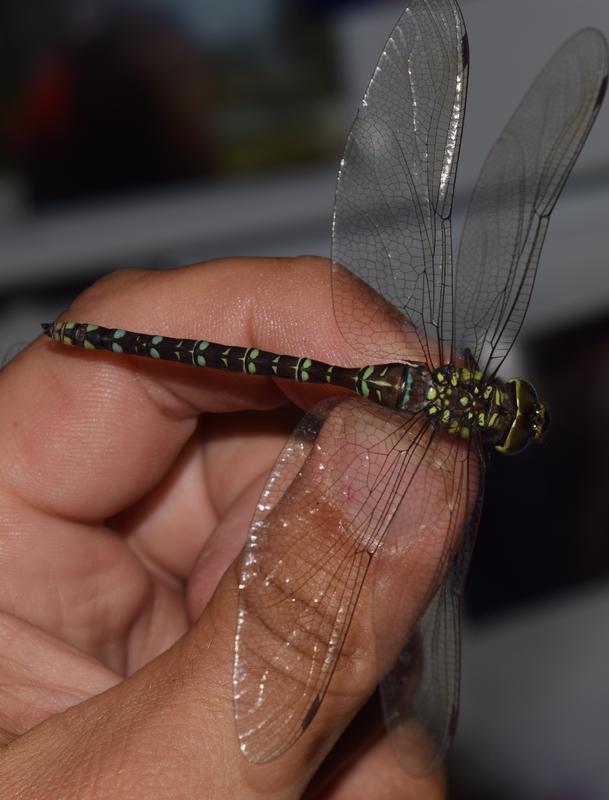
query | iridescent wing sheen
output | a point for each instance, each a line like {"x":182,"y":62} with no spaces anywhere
{"x":517,"y":189}
{"x":347,"y":474}
{"x":420,"y":693}
{"x":394,"y":191}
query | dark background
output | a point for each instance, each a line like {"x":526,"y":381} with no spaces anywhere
{"x":163,"y":133}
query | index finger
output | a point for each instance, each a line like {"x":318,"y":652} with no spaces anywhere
{"x":113,"y":426}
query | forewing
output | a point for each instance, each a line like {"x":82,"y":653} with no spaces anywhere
{"x":420,"y":693}
{"x":395,"y":189}
{"x":517,"y":189}
{"x":321,"y":518}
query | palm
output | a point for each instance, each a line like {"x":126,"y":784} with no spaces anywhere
{"x":126,"y":588}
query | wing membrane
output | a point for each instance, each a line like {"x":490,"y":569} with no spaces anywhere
{"x":517,"y":189}
{"x":308,"y":552}
{"x":420,"y":693}
{"x":395,"y":188}
{"x":354,"y":476}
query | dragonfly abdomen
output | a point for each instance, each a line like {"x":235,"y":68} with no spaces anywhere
{"x":394,"y":385}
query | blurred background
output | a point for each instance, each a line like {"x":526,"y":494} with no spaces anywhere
{"x":150,"y":133}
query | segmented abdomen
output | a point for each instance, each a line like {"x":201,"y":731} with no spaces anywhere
{"x":393,"y":385}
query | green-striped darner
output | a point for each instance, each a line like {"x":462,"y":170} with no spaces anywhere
{"x":363,"y":463}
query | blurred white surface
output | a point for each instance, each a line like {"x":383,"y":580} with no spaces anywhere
{"x":291,"y":213}
{"x":535,"y":700}
{"x":166,"y":228}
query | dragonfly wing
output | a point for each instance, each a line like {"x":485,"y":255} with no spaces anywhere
{"x":394,"y":190}
{"x":518,"y":187}
{"x":420,"y":693}
{"x":351,"y":465}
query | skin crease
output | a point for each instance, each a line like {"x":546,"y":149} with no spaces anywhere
{"x":122,"y":511}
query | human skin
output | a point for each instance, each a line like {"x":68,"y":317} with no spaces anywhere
{"x":126,"y":490}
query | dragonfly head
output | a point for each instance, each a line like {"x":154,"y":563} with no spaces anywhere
{"x":530,"y":420}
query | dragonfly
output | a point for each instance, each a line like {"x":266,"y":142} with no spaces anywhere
{"x":383,"y":468}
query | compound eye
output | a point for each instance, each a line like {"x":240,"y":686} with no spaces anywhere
{"x":517,"y":437}
{"x":540,"y":422}
{"x":530,"y":421}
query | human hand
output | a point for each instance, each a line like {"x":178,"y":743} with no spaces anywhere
{"x":122,"y":511}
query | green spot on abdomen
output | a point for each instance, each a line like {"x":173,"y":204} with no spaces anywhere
{"x":197,"y":359}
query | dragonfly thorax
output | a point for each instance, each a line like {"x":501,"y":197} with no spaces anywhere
{"x":507,"y":415}
{"x":460,"y":400}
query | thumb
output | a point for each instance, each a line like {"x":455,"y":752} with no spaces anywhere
{"x":351,"y":537}
{"x":305,"y":661}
